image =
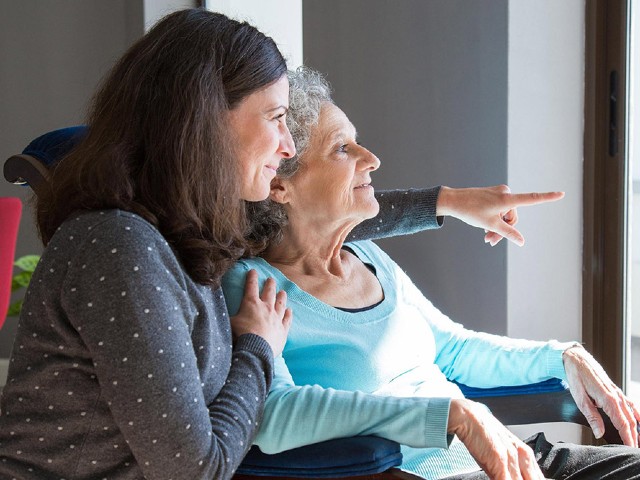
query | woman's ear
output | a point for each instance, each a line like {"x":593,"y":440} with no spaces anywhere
{"x":279,"y":192}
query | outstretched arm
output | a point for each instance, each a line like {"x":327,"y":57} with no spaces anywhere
{"x":493,"y":209}
{"x":401,"y":212}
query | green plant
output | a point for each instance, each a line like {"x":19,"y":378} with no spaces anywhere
{"x":27,"y":265}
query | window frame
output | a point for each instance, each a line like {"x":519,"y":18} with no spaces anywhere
{"x":605,"y":185}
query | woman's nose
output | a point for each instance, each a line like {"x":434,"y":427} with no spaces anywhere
{"x":286,"y":148}
{"x":369,"y":160}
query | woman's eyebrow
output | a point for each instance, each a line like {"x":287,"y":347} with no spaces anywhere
{"x":273,"y":109}
{"x":338,"y":133}
{"x":332,"y":136}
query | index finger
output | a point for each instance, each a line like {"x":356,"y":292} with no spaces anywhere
{"x":251,"y":284}
{"x":533,"y":198}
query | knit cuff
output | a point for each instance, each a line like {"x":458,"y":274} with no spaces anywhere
{"x":257,"y":345}
{"x":427,"y":206}
{"x":555,"y":364}
{"x":436,"y":423}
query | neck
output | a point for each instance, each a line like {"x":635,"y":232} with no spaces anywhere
{"x":311,"y":250}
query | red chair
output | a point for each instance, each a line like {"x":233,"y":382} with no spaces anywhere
{"x":10,"y":211}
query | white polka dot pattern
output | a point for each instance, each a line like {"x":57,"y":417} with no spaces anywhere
{"x":123,"y":369}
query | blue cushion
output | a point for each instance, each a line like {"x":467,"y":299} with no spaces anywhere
{"x":342,"y":457}
{"x":551,"y":385}
{"x":52,"y":146}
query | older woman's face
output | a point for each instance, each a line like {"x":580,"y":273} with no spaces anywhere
{"x":334,"y":182}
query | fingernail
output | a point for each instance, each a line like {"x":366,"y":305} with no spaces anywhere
{"x":597,"y":432}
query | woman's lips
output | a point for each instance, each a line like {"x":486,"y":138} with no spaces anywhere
{"x":271,"y":169}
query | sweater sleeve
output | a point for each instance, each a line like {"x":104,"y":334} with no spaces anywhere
{"x":297,"y":415}
{"x":466,"y":356}
{"x":401,"y":212}
{"x":127,"y":296}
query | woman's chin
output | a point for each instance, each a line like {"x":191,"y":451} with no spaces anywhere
{"x":256,"y":192}
{"x":371,"y":211}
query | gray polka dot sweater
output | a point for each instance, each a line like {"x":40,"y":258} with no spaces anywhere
{"x":124,"y":368}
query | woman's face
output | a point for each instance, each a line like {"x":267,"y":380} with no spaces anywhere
{"x":333,"y":183}
{"x":261,"y":137}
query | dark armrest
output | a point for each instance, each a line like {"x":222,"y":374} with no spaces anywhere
{"x":543,"y":402}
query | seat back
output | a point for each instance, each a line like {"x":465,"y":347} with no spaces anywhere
{"x":32,"y":166}
{"x":10,"y":212}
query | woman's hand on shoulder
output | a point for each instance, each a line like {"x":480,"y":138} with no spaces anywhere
{"x":592,"y":388}
{"x":264,"y":314}
{"x":493,"y":209}
{"x":501,"y":454}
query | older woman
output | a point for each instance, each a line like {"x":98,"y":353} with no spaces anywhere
{"x":369,"y":354}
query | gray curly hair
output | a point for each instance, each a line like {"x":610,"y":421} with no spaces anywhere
{"x":308,"y":91}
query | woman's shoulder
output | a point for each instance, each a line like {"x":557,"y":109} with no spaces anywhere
{"x":243,"y":265}
{"x":233,"y":281}
{"x":113,"y":224}
{"x":107,"y":219}
{"x":111,"y":235}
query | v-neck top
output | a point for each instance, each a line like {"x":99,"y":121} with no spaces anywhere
{"x":387,"y":371}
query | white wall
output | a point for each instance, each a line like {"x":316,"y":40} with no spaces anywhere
{"x":154,"y":10}
{"x":545,"y":152}
{"x":279,"y":19}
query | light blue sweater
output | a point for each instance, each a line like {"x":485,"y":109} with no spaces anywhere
{"x":385,"y":371}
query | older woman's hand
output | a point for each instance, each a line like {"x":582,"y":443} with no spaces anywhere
{"x":492,"y":208}
{"x":501,"y":454}
{"x":592,"y":388}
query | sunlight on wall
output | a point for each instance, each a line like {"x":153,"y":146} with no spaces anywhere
{"x":281,"y":20}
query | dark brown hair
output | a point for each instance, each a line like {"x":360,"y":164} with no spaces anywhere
{"x":157,"y":143}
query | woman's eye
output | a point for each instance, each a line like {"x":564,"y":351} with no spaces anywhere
{"x":342,"y":148}
{"x":280,"y":116}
